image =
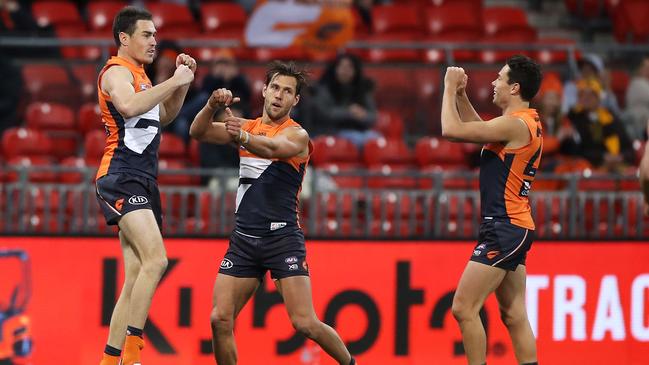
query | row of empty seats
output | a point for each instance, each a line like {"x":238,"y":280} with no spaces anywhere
{"x":459,"y":21}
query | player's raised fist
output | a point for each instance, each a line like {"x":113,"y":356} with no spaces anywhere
{"x":184,"y":59}
{"x":221,"y":98}
{"x":453,"y":77}
{"x":184,"y":75}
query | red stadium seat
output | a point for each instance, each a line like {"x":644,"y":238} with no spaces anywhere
{"x":32,"y":161}
{"x":379,"y":152}
{"x":264,"y":54}
{"x":49,"y":116}
{"x":548,"y":56}
{"x":94,"y":144}
{"x":393,"y":88}
{"x":56,"y":13}
{"x":630,"y":21}
{"x":513,"y":36}
{"x":73,"y":177}
{"x":455,"y":18}
{"x":89,"y":118}
{"x":77,"y":32}
{"x":172,"y":147}
{"x":173,"y":21}
{"x":25,"y":142}
{"x":223,"y":20}
{"x":619,"y":84}
{"x":398,"y":20}
{"x":502,"y":20}
{"x":329,"y":149}
{"x":338,"y":170}
{"x":391,"y":176}
{"x":45,"y":82}
{"x":174,"y":179}
{"x":585,"y":8}
{"x":86,"y":77}
{"x":433,"y":151}
{"x":102,"y":13}
{"x":392,"y":205}
{"x":389,"y":124}
{"x":481,"y":91}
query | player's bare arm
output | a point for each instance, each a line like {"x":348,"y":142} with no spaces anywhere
{"x":204,"y":128}
{"x":117,"y":83}
{"x":464,"y":106}
{"x":172,"y":104}
{"x":505,"y":129}
{"x":288,"y":143}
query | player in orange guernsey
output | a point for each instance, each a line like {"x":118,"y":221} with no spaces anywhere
{"x":274,"y":152}
{"x":134,"y":112}
{"x":511,"y":154}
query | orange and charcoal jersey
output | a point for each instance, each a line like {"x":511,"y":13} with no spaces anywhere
{"x":506,"y":175}
{"x":131,"y":143}
{"x":267,"y":197}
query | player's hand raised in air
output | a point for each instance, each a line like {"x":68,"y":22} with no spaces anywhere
{"x":184,"y":59}
{"x":184,"y":75}
{"x":461,"y":88}
{"x":454,"y":77}
{"x":221,"y":98}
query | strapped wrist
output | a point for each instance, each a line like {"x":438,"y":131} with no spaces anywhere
{"x":244,"y":137}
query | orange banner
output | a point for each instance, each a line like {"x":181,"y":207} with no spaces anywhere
{"x":390,"y":301}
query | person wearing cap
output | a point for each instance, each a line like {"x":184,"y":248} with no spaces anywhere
{"x":598,"y":135}
{"x":590,"y":66}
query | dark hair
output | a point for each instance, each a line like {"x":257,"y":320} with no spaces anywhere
{"x":360,"y":85}
{"x":525,"y":72}
{"x":126,"y":20}
{"x":276,"y":68}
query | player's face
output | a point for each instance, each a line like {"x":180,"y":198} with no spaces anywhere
{"x":280,"y":96}
{"x":502,"y":90}
{"x":141,"y":44}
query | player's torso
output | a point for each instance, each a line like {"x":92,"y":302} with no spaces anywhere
{"x":506,"y":175}
{"x":267,"y":197}
{"x":131,"y":143}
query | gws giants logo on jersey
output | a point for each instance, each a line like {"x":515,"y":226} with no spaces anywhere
{"x":138,"y":200}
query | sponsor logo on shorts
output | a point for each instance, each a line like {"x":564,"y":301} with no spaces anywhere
{"x":119,"y":204}
{"x":291,"y":260}
{"x":277,"y":225}
{"x":226,"y":264}
{"x":492,"y":254}
{"x":293,"y":267}
{"x":476,"y":252}
{"x":138,"y":200}
{"x":481,"y":246}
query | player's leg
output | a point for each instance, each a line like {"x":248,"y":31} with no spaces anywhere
{"x":476,"y":283}
{"x":511,"y":300}
{"x":142,"y":231}
{"x":296,"y":291}
{"x":119,"y":318}
{"x":230,"y":295}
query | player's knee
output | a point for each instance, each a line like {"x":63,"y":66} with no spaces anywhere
{"x":156,"y":265}
{"x":305,"y":325}
{"x":461,"y":310}
{"x":512,"y":317}
{"x":221,"y":322}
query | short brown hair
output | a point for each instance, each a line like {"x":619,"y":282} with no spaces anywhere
{"x":126,"y":20}
{"x":287,"y":69}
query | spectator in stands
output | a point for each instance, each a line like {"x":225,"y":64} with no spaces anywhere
{"x":16,"y":20}
{"x":637,"y":101}
{"x":590,"y":66}
{"x":224,"y":73}
{"x":548,"y":103}
{"x":344,"y":101}
{"x":10,"y":91}
{"x":598,"y":135}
